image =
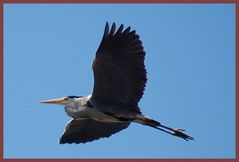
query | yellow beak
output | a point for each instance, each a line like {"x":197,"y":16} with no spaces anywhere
{"x":59,"y":101}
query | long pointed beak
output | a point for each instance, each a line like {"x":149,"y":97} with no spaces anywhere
{"x":59,"y":101}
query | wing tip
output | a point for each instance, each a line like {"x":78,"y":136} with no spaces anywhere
{"x":112,"y":30}
{"x":106,"y":32}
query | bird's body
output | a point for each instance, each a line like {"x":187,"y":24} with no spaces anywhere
{"x":82,"y":108}
{"x":120,"y":79}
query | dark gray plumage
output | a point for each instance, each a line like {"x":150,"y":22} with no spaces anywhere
{"x":119,"y":70}
{"x":87,"y":130}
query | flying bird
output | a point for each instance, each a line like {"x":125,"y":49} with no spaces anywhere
{"x":119,"y":83}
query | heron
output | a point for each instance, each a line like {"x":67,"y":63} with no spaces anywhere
{"x":119,"y":82}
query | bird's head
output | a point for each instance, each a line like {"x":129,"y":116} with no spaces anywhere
{"x":62,"y":101}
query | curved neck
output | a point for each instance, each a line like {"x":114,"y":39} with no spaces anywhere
{"x":74,"y":107}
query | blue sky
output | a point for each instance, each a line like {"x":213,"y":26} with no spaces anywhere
{"x":190,"y":60}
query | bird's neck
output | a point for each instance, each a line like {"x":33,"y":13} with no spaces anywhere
{"x":74,"y":108}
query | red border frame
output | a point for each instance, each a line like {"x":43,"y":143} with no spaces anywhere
{"x":113,"y":1}
{"x":119,"y":1}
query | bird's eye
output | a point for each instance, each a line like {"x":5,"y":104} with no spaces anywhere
{"x":66,"y":99}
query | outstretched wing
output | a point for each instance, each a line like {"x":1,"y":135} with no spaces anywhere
{"x":84,"y":130}
{"x":119,"y":70}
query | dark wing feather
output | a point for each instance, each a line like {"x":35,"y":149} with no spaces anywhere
{"x":84,"y":130}
{"x":119,"y":70}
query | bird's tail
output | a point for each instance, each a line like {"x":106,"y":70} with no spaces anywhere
{"x":157,"y":125}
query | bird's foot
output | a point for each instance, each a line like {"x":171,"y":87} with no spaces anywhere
{"x":180,"y":133}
